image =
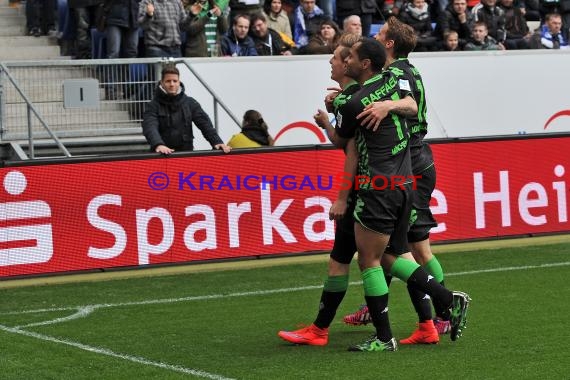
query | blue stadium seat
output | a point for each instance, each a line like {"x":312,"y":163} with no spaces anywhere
{"x":374,"y":29}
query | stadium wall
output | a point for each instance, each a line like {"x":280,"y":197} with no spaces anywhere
{"x":94,"y":214}
{"x":469,"y":93}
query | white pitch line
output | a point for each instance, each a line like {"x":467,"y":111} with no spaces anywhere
{"x":81,"y":313}
{"x":266,"y":292}
{"x":103,"y":351}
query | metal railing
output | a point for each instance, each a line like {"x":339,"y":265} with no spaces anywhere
{"x":124,"y":86}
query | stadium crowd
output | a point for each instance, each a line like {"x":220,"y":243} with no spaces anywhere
{"x":202,"y":28}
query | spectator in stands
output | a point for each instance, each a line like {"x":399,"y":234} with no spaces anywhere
{"x":365,"y":9}
{"x":456,"y":18}
{"x":277,"y":18}
{"x":325,"y":41}
{"x":266,"y":40}
{"x":204,"y":19}
{"x":451,"y":41}
{"x":307,"y":19}
{"x":488,"y":12}
{"x":162,"y":22}
{"x":550,"y":36}
{"x":416,"y":14}
{"x":168,"y":118}
{"x":237,"y":42}
{"x":352,"y":24}
{"x":244,"y":7}
{"x":254,"y":132}
{"x":562,"y":7}
{"x":480,"y":39}
{"x":529,"y":8}
{"x":516,"y":27}
{"x":84,"y":12}
{"x":121,"y":25}
{"x":40,"y":17}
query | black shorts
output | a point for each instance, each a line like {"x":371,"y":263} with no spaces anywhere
{"x":344,"y":242}
{"x":386,"y":212}
{"x":421,"y":218}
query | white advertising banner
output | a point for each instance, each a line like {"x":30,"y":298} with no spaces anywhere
{"x":469,"y":93}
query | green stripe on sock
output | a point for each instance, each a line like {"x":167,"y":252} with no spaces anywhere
{"x":336,"y":284}
{"x":374,"y":282}
{"x":434,"y":268}
{"x":403,"y":269}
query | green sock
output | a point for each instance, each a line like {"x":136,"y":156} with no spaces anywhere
{"x":336,"y":283}
{"x":403,"y":268}
{"x":434,"y":268}
{"x":374,"y":282}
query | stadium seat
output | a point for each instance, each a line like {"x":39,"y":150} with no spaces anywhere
{"x":374,"y":29}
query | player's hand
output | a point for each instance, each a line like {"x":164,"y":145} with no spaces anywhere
{"x":321,"y":118}
{"x":163,"y":149}
{"x":223,"y":147}
{"x":373,"y":114}
{"x":329,"y":99}
{"x":338,"y":209}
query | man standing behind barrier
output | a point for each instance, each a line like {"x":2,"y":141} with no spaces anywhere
{"x":162,"y":21}
{"x":167,"y":120}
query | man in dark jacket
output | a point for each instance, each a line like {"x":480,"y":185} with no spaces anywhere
{"x":121,"y":28}
{"x":267,"y":41}
{"x":168,"y":118}
{"x":456,"y":18}
{"x":237,"y":42}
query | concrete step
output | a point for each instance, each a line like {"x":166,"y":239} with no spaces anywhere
{"x":8,"y":3}
{"x":25,"y":53}
{"x":10,"y":21}
{"x":63,"y":120}
{"x":118,"y":145}
{"x":27,"y":41}
{"x":18,"y":30}
{"x":91,"y":130}
{"x":52,"y":91}
{"x":20,"y":108}
{"x":9,"y":11}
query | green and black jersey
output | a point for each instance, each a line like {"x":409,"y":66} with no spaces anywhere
{"x":383,"y":152}
{"x":422,"y":157}
{"x":342,"y":98}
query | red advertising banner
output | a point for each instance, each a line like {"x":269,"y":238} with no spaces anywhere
{"x":81,"y":216}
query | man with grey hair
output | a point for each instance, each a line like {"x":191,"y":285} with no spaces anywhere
{"x":352,"y":24}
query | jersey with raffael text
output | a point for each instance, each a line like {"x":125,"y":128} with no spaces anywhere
{"x":422,"y":157}
{"x":384,"y":152}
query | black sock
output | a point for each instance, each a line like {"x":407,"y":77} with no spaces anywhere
{"x":378,"y":309}
{"x":327,"y":308}
{"x":427,"y":284}
{"x":441,"y":311}
{"x":388,"y":277}
{"x":421,"y":302}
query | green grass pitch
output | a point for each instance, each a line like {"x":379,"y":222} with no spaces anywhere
{"x":223,"y":324}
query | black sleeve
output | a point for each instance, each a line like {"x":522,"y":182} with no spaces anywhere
{"x":204,"y":124}
{"x":346,"y":121}
{"x":150,"y":125}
